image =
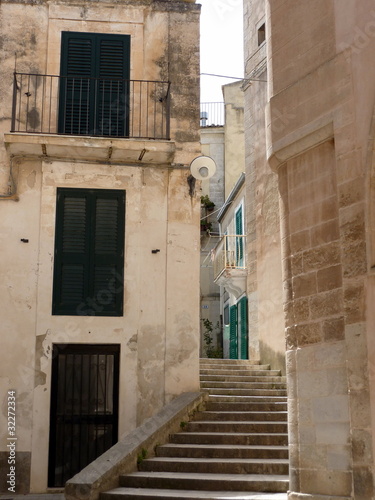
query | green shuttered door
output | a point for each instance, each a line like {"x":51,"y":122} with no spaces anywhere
{"x":233,"y":342}
{"x":238,"y":330}
{"x":243,"y":328}
{"x":94,"y":88}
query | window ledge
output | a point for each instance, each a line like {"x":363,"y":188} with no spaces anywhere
{"x":102,"y":149}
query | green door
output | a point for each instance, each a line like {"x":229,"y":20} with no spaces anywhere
{"x":233,"y":337}
{"x":243,"y":329}
{"x":94,"y":84}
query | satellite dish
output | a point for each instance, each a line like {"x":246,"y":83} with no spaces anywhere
{"x":202,"y":168}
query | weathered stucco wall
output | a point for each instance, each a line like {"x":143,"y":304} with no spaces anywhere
{"x":233,"y":134}
{"x":159,"y":331}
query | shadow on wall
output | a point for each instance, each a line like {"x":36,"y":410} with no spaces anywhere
{"x":269,"y":356}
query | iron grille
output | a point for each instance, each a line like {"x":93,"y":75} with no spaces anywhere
{"x":49,"y":104}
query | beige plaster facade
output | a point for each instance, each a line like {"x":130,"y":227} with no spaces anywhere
{"x":310,"y":173}
{"x":158,"y":333}
{"x":233,"y":134}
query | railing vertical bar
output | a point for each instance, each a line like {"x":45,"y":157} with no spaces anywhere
{"x":72,"y":415}
{"x":64,"y":408}
{"x":168,"y":118}
{"x":95,"y":104}
{"x":35,"y":92}
{"x":126,"y":98}
{"x":105,"y":397}
{"x":154,"y":117}
{"x":102,"y":120}
{"x":110,"y":109}
{"x":132,"y":109}
{"x":20,"y":103}
{"x":72,"y":113}
{"x":50,"y":105}
{"x":163,"y":104}
{"x":97,"y":403}
{"x":87,"y":125}
{"x":80,"y":107}
{"x":65,"y":103}
{"x":42,"y":104}
{"x":147,"y":106}
{"x":14,"y":103}
{"x":88,"y":458}
{"x":27,"y":105}
{"x":140,"y":110}
{"x":80,"y":412}
{"x":118,"y":109}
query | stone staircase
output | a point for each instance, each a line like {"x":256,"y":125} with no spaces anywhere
{"x":236,"y":448}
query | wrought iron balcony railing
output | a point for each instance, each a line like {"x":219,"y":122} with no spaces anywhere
{"x":49,"y":104}
{"x":229,"y":254}
{"x":212,"y":114}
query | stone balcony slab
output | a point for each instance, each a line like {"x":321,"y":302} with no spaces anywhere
{"x":99,"y":149}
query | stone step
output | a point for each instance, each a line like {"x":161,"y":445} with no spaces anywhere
{"x":231,"y":438}
{"x":242,"y":385}
{"x":243,"y":378}
{"x":242,"y":372}
{"x":245,"y":392}
{"x":221,"y":451}
{"x":258,"y":398}
{"x":250,"y":416}
{"x":243,"y":406}
{"x":151,"y":494}
{"x":223,"y":362}
{"x":235,"y":367}
{"x":206,"y":482}
{"x":215,"y":465}
{"x":239,"y":426}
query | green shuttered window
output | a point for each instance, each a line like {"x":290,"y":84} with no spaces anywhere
{"x":89,"y":252}
{"x":94,"y":88}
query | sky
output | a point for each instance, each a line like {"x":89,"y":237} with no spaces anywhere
{"x":221,"y":45}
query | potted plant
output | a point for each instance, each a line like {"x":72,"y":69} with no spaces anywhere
{"x":207,"y":203}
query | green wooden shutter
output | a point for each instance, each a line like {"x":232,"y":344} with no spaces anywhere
{"x":89,"y":252}
{"x":243,"y":328}
{"x":113,"y":57}
{"x":94,"y":86}
{"x":239,"y":241}
{"x":233,"y":344}
{"x":76,"y":86}
{"x":71,"y":266}
{"x":108,"y":251}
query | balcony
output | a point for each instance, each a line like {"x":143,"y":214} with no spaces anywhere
{"x":96,"y":107}
{"x":230,"y":268}
{"x":212,"y":114}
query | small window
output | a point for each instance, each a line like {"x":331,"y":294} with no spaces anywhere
{"x":89,"y":252}
{"x":261,"y":34}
